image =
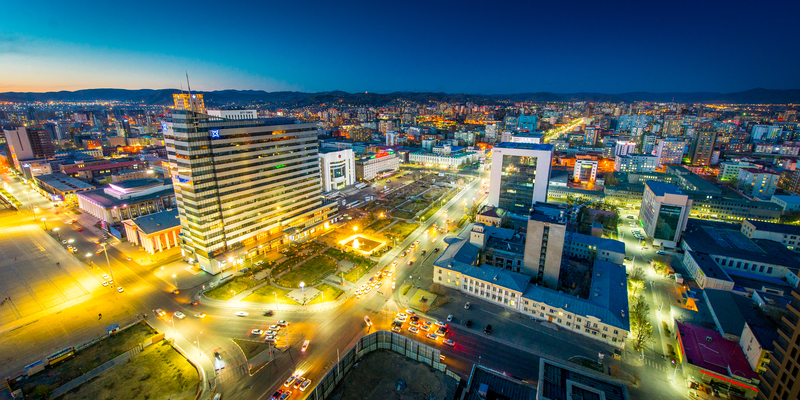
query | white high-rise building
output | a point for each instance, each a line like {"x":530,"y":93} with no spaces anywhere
{"x":585,"y":171}
{"x":338,"y":168}
{"x":520,"y":175}
{"x":625,"y":148}
{"x":243,"y":187}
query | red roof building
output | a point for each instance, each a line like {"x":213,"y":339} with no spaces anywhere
{"x":715,"y":362}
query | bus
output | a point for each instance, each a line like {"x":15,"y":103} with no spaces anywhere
{"x":60,"y":356}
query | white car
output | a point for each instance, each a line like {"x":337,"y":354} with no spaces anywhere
{"x":401,"y":315}
{"x":270,"y":338}
{"x":289,"y":380}
{"x":394,"y":263}
{"x":413,"y":329}
{"x":242,"y":313}
{"x":257,"y":331}
{"x":305,"y":346}
{"x":105,"y":276}
{"x":450,"y":318}
{"x":282,"y":323}
{"x":368,"y":321}
{"x":410,"y":311}
{"x":63,"y":242}
{"x":105,"y":283}
{"x":160,"y":312}
{"x":119,"y":289}
{"x":466,"y":306}
{"x":274,"y":328}
{"x":179,"y":315}
{"x":305,"y":384}
{"x":200,"y":315}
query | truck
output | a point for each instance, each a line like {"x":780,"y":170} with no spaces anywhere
{"x":678,"y":278}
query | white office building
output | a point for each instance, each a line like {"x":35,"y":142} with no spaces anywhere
{"x":634,"y":163}
{"x":585,"y":171}
{"x":372,"y":166}
{"x":625,"y":148}
{"x":520,"y":175}
{"x":670,"y":152}
{"x":665,"y":213}
{"x":338,"y":168}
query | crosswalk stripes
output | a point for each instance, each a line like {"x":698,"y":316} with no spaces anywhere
{"x":654,"y":365}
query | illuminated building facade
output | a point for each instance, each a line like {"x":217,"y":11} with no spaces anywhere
{"x":189,"y":102}
{"x":371,"y":166}
{"x":338,"y":168}
{"x":520,"y":175}
{"x":243,"y":186}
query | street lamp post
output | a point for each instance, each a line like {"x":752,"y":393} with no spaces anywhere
{"x":57,"y":233}
{"x":110,"y":272}
{"x":173,"y":324}
{"x":44,"y":221}
{"x":176,"y":280}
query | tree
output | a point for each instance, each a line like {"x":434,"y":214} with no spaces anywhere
{"x":473,"y":212}
{"x":641,"y":330}
{"x":635,"y":282}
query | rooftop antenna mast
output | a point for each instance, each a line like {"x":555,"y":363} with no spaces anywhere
{"x":191,"y":102}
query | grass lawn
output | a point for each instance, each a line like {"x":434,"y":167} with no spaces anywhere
{"x":251,"y":348}
{"x":403,"y":214}
{"x":438,"y":206}
{"x":402,"y":229}
{"x":340,"y":255}
{"x":84,"y":361}
{"x":380,"y":224}
{"x":355,"y":273}
{"x":266,"y":294}
{"x":311,"y":272}
{"x":329,"y":293}
{"x":237,"y":284}
{"x":159,"y":372}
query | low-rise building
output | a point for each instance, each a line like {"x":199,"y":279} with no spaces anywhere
{"x":706,"y":272}
{"x":718,"y":364}
{"x":587,"y":247}
{"x":585,"y":171}
{"x":735,"y":252}
{"x":127,"y":200}
{"x":373,"y":166}
{"x":788,"y":235}
{"x":155,"y":232}
{"x":129,"y":174}
{"x":559,"y":381}
{"x":790,"y":203}
{"x":60,"y":187}
{"x":442,"y":160}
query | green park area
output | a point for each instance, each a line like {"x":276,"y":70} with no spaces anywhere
{"x":329,"y":293}
{"x":159,"y":372}
{"x":380,"y":224}
{"x":270,"y":294}
{"x":231,"y":288}
{"x":401,"y":230}
{"x":361,"y":265}
{"x":310,"y":272}
{"x":88,"y":358}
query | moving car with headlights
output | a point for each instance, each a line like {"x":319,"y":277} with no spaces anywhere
{"x":305,"y":345}
{"x":449,"y":342}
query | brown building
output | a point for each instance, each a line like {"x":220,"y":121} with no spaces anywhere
{"x":779,"y":381}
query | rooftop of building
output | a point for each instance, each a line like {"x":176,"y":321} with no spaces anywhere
{"x":524,"y":146}
{"x":637,"y":155}
{"x":326,"y":150}
{"x":137,"y":184}
{"x":747,"y":280}
{"x":663,"y":188}
{"x":733,"y":310}
{"x":496,"y":385}
{"x":548,"y":212}
{"x":709,"y":267}
{"x":758,"y":171}
{"x":104,"y":164}
{"x":772,"y":299}
{"x":608,"y":296}
{"x":788,"y":199}
{"x":450,"y":155}
{"x":492,"y":212}
{"x":776,"y":228}
{"x":63,"y":182}
{"x":101,"y":198}
{"x":497,"y":276}
{"x":157,"y":222}
{"x":611,"y":245}
{"x":529,"y":134}
{"x":565,"y":382}
{"x":727,"y":240}
{"x":707,"y":349}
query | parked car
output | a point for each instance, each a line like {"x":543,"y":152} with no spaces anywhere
{"x":466,"y":306}
{"x":449,"y":342}
{"x":396,"y":329}
{"x":257,"y":332}
{"x":469,"y":323}
{"x":305,"y":384}
{"x":661,"y":252}
{"x":179,"y":315}
{"x":119,"y":289}
{"x":431,"y":336}
{"x":277,"y":394}
{"x":288,"y":382}
{"x":242,"y":313}
{"x":450,"y":318}
{"x":488,"y":330}
{"x":413,"y":329}
{"x":160,"y":312}
{"x":282,"y":323}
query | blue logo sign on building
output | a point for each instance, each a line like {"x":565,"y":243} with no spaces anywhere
{"x":214,"y":133}
{"x":163,"y":126}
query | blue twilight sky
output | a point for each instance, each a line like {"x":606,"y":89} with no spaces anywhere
{"x":380,"y":46}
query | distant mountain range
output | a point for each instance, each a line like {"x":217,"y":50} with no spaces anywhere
{"x":250,"y":97}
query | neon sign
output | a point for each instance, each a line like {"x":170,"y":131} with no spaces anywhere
{"x":214,"y":133}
